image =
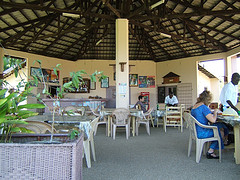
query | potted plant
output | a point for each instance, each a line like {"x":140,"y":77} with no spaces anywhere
{"x":36,"y":161}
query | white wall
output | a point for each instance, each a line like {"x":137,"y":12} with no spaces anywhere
{"x":185,"y":67}
{"x":203,"y":81}
{"x":212,"y":84}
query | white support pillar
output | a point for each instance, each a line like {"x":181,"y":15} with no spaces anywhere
{"x":122,"y":64}
{"x":228,"y":71}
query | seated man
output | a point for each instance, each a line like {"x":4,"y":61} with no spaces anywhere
{"x":171,"y":100}
{"x":140,"y":100}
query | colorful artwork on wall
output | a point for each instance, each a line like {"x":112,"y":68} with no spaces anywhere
{"x":49,"y":75}
{"x":151,"y":81}
{"x":146,"y":81}
{"x":133,"y":80}
{"x":142,"y":81}
{"x":105,"y":83}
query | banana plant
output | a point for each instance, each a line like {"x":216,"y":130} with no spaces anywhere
{"x":13,"y":113}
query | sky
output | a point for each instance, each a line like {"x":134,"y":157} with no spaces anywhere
{"x":216,"y":67}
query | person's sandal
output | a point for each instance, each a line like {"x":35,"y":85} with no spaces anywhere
{"x":212,"y":156}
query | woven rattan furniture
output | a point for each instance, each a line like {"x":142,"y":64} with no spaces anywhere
{"x":41,"y":161}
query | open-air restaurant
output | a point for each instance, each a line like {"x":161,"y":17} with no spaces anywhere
{"x":119,"y":89}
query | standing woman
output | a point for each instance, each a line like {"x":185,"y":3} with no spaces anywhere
{"x":202,"y":113}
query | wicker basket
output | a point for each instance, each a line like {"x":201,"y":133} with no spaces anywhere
{"x":24,"y":161}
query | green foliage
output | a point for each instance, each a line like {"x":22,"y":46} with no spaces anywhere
{"x":13,"y":111}
{"x":12,"y":108}
{"x":74,"y":133}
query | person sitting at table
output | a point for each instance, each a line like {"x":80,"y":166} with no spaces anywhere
{"x":171,"y":100}
{"x":203,"y":114}
{"x":140,"y":102}
{"x":229,"y":93}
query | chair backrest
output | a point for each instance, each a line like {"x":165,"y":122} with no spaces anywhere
{"x":38,"y":127}
{"x":146,"y":114}
{"x":191,"y":123}
{"x":138,"y":106}
{"x":121,"y":116}
{"x":89,"y":129}
{"x":94,"y":124}
{"x":95,"y":111}
{"x":73,"y":110}
{"x":182,"y":106}
{"x":173,"y":112}
{"x":81,"y":110}
{"x":149,"y":111}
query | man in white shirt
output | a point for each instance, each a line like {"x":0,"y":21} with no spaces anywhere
{"x":229,"y":93}
{"x":171,"y":100}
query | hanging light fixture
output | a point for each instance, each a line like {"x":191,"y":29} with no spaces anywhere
{"x":157,"y":4}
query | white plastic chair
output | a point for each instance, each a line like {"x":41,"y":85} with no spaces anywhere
{"x":73,"y":111}
{"x":145,"y":120}
{"x":102,"y":120}
{"x":120,"y":117}
{"x":38,"y":127}
{"x":173,"y":117}
{"x":192,"y":122}
{"x":89,"y":141}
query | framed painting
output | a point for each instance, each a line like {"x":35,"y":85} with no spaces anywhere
{"x":54,"y":78}
{"x":133,"y":80}
{"x":151,"y":81}
{"x":105,"y":83}
{"x":84,"y":85}
{"x":47,"y":74}
{"x":142,"y":81}
{"x":36,"y":72}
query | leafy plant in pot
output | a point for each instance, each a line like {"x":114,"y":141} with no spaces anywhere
{"x":64,"y":159}
{"x":12,"y":112}
{"x":77,"y":79}
{"x":12,"y":108}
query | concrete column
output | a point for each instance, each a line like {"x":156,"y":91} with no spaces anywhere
{"x":122,"y":64}
{"x":228,"y":69}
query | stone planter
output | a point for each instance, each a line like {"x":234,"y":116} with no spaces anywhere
{"x":41,"y":161}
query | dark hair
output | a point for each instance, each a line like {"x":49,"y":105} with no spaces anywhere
{"x":235,"y":78}
{"x":205,"y":97}
{"x":235,"y":75}
{"x":140,"y":97}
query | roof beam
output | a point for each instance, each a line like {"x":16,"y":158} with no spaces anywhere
{"x":175,"y":36}
{"x":63,"y":32}
{"x":106,"y":3}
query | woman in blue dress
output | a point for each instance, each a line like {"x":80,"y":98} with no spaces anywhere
{"x":203,"y":114}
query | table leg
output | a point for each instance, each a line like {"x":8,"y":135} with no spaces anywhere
{"x":237,"y":143}
{"x":109,"y":125}
{"x":133,"y":125}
